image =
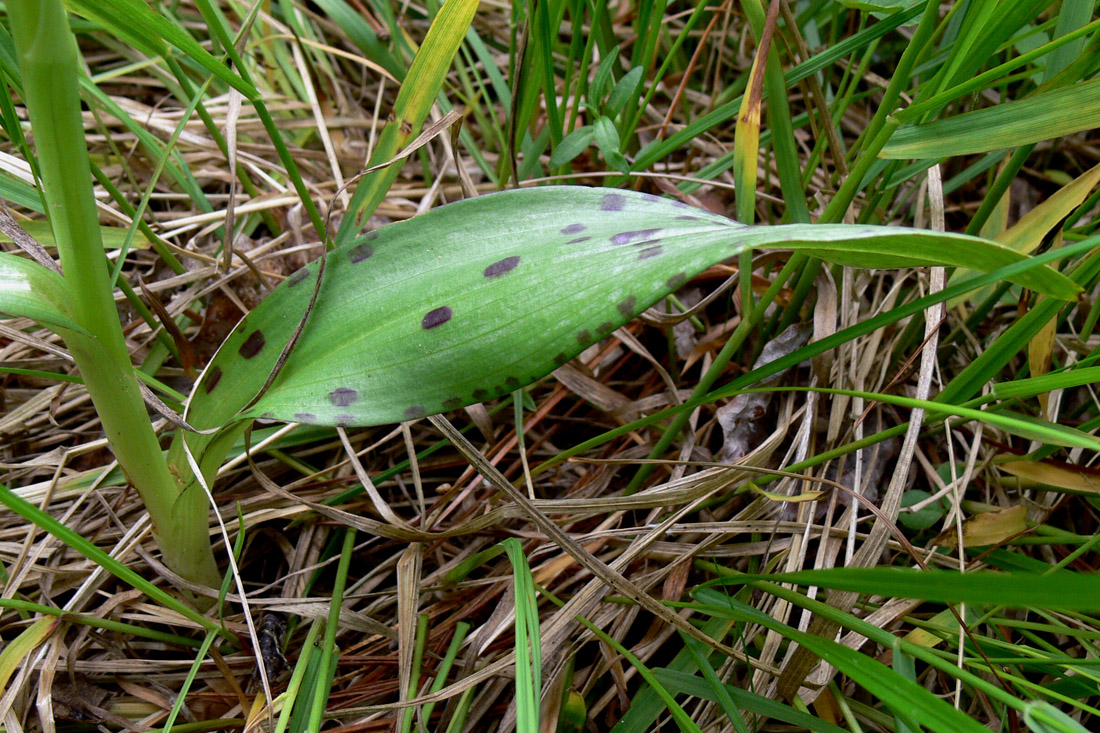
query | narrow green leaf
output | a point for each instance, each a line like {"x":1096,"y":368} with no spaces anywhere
{"x":1062,"y":590}
{"x":479,"y":298}
{"x":1043,"y":116}
{"x":882,"y":682}
{"x":602,"y":78}
{"x":143,"y":28}
{"x":113,"y":237}
{"x":1037,"y":385}
{"x":29,"y":289}
{"x":85,"y":547}
{"x":682,"y":683}
{"x":415,"y":98}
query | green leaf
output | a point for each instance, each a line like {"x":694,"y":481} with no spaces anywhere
{"x":113,"y":237}
{"x":29,"y":289}
{"x":1043,"y":116}
{"x":572,"y":145}
{"x":880,"y":681}
{"x":1061,"y":590}
{"x":479,"y":298}
{"x":418,"y":92}
{"x":602,"y":77}
{"x":624,"y":90}
{"x":607,"y":140}
{"x":140,"y":26}
{"x":924,"y":518}
{"x":1042,"y":717}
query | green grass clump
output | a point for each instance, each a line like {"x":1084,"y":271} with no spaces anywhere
{"x":840,"y":479}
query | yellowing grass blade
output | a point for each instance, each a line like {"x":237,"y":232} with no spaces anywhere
{"x":19,"y":647}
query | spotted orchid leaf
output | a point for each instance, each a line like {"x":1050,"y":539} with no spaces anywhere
{"x":476,"y":299}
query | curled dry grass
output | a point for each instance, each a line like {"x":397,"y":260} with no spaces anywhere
{"x":118,"y":659}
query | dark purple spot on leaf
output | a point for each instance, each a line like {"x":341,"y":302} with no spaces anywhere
{"x":267,"y":416}
{"x":606,"y":327}
{"x":627,"y":305}
{"x":612,"y":202}
{"x":689,"y":217}
{"x":512,"y":384}
{"x":584,"y":336}
{"x":305,"y":417}
{"x":297,"y":277}
{"x":252,"y":344}
{"x":628,"y":237}
{"x":412,"y":413}
{"x":648,"y":252}
{"x":680,"y":204}
{"x":561,"y":358}
{"x":651,"y":198}
{"x":481,"y":394}
{"x":343,"y":396}
{"x":573,"y":229}
{"x":360,"y":252}
{"x":452,"y":403}
{"x":499,"y":268}
{"x":578,"y":240}
{"x":437,"y":317}
{"x":212,"y":378}
{"x":677,"y":280}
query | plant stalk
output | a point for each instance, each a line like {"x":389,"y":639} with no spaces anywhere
{"x":48,"y":60}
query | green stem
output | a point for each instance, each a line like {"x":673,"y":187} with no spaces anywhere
{"x":47,"y":57}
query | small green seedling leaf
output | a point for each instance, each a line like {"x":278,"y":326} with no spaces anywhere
{"x":572,"y":145}
{"x":29,"y":289}
{"x":602,"y":78}
{"x":477,"y":299}
{"x":923,"y":518}
{"x":624,"y":90}
{"x":607,"y":139}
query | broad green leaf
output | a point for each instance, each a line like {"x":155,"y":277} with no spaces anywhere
{"x":1061,"y":590}
{"x":29,"y":289}
{"x":482,"y":297}
{"x":1046,"y":115}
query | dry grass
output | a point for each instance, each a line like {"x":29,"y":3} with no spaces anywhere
{"x":430,"y":518}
